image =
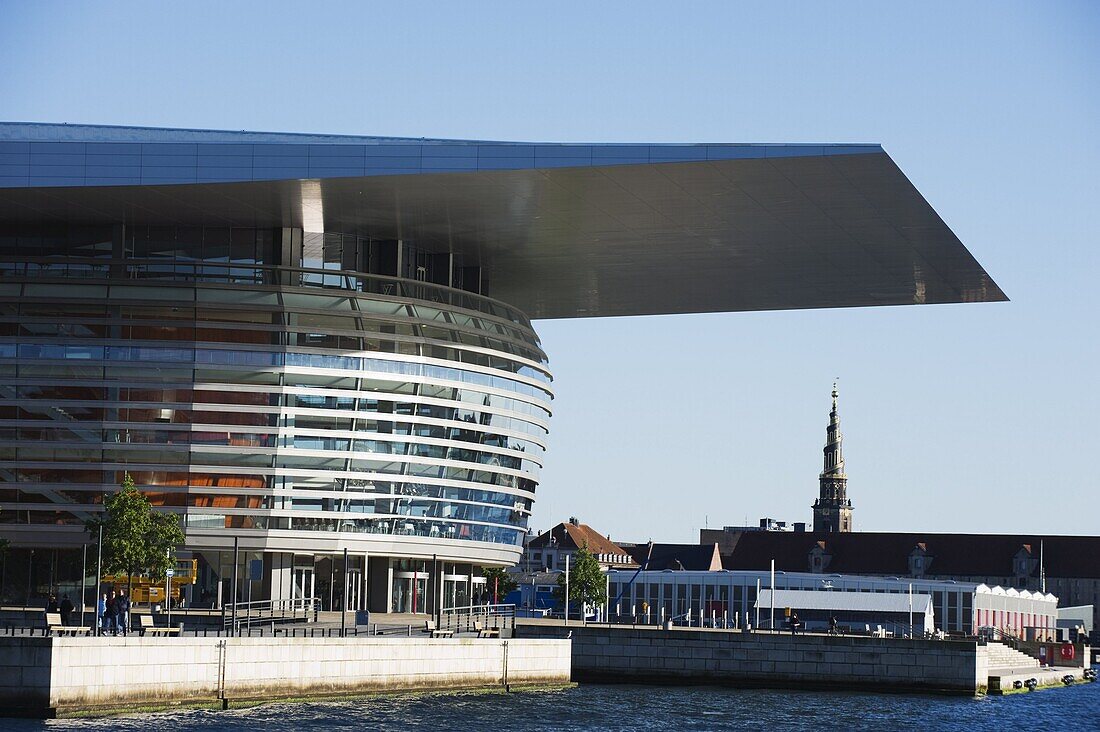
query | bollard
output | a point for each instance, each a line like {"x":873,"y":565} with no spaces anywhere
{"x":410,"y":631}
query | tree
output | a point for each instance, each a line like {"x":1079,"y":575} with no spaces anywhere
{"x":587,"y":584}
{"x":499,"y":583}
{"x":135,"y":538}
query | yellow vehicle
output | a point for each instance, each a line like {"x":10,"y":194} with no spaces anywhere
{"x":148,"y":591}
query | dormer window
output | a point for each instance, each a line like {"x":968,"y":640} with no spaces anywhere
{"x":919,"y":561}
{"x":819,"y":558}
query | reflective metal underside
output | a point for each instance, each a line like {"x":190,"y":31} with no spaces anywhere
{"x":807,"y":228}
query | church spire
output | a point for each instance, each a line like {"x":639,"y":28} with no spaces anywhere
{"x":832,"y":509}
{"x":834,"y":450}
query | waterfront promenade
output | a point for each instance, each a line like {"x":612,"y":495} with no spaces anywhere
{"x":61,"y":676}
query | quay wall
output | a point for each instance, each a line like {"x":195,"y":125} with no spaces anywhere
{"x":59,"y":676}
{"x":618,"y":654}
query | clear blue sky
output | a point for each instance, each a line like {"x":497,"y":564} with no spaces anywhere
{"x":957,"y":417}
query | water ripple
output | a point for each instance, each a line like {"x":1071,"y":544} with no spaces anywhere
{"x":626,"y":709}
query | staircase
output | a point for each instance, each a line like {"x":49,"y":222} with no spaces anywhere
{"x":1009,"y":667}
{"x":1003,"y":657}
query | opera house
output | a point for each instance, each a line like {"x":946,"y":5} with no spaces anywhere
{"x":312,"y":343}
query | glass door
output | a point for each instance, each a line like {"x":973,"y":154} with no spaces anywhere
{"x":354,"y":588}
{"x":409,"y":593}
{"x":303,"y":583}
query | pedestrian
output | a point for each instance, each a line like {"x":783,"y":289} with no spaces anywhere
{"x":51,"y":604}
{"x":66,"y":610}
{"x":795,"y":622}
{"x":123,"y":612}
{"x":101,"y":613}
{"x":832,"y":625}
{"x":112,"y":613}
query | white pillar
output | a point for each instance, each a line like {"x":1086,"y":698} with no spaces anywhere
{"x":771,"y":618}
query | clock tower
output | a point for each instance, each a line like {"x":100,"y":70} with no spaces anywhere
{"x":832,"y":509}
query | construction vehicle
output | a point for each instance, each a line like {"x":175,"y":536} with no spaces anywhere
{"x":151,"y":592}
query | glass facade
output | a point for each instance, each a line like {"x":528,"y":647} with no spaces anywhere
{"x":266,"y":381}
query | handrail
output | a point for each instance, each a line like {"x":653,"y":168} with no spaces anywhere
{"x":190,"y":272}
{"x":464,"y":618}
{"x":1000,"y":635}
{"x":261,"y":611}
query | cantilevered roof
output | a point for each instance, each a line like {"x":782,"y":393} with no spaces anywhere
{"x":560,"y":230}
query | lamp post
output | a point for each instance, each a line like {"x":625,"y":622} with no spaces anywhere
{"x":567,"y":589}
{"x":344,"y":599}
{"x":233,"y":591}
{"x":771,"y":591}
{"x":912,"y":630}
{"x":168,"y":588}
{"x":98,"y":578}
{"x":83,"y":579}
{"x":758,"y":603}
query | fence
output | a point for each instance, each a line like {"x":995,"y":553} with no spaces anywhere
{"x":245,"y":614}
{"x":466,"y":619}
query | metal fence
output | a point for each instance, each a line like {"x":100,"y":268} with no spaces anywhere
{"x":472,"y":618}
{"x":266,"y":612}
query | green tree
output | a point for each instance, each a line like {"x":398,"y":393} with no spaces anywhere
{"x":498,"y":580}
{"x":587,"y":584}
{"x":136,"y":539}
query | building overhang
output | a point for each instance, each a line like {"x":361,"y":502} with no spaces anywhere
{"x":559,"y":231}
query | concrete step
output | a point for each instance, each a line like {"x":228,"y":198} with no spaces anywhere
{"x":1001,"y":656}
{"x":1002,"y":680}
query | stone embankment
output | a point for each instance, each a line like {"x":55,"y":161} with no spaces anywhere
{"x":625,"y":654}
{"x":64,"y":676}
{"x":619,"y":654}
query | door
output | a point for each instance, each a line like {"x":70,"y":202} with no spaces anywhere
{"x":303,"y":583}
{"x":409,"y":593}
{"x":353,"y":590}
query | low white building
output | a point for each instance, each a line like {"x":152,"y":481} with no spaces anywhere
{"x":729,"y":597}
{"x":854,"y":611}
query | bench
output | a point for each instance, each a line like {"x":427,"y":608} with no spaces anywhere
{"x":483,"y":632}
{"x":54,"y":625}
{"x":431,"y":629}
{"x":147,"y":627}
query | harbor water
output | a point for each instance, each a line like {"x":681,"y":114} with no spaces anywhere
{"x":597,"y":707}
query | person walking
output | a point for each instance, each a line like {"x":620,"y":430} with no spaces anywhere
{"x":832,"y":625}
{"x":66,"y":610}
{"x":51,"y":604}
{"x":101,"y":613}
{"x":795,"y":622}
{"x":123,"y":612}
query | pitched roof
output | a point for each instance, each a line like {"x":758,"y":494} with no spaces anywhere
{"x":693,"y":557}
{"x":574,"y":536}
{"x":961,"y":555}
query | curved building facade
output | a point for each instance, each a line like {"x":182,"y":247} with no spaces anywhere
{"x":288,"y":404}
{"x":308,"y":345}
